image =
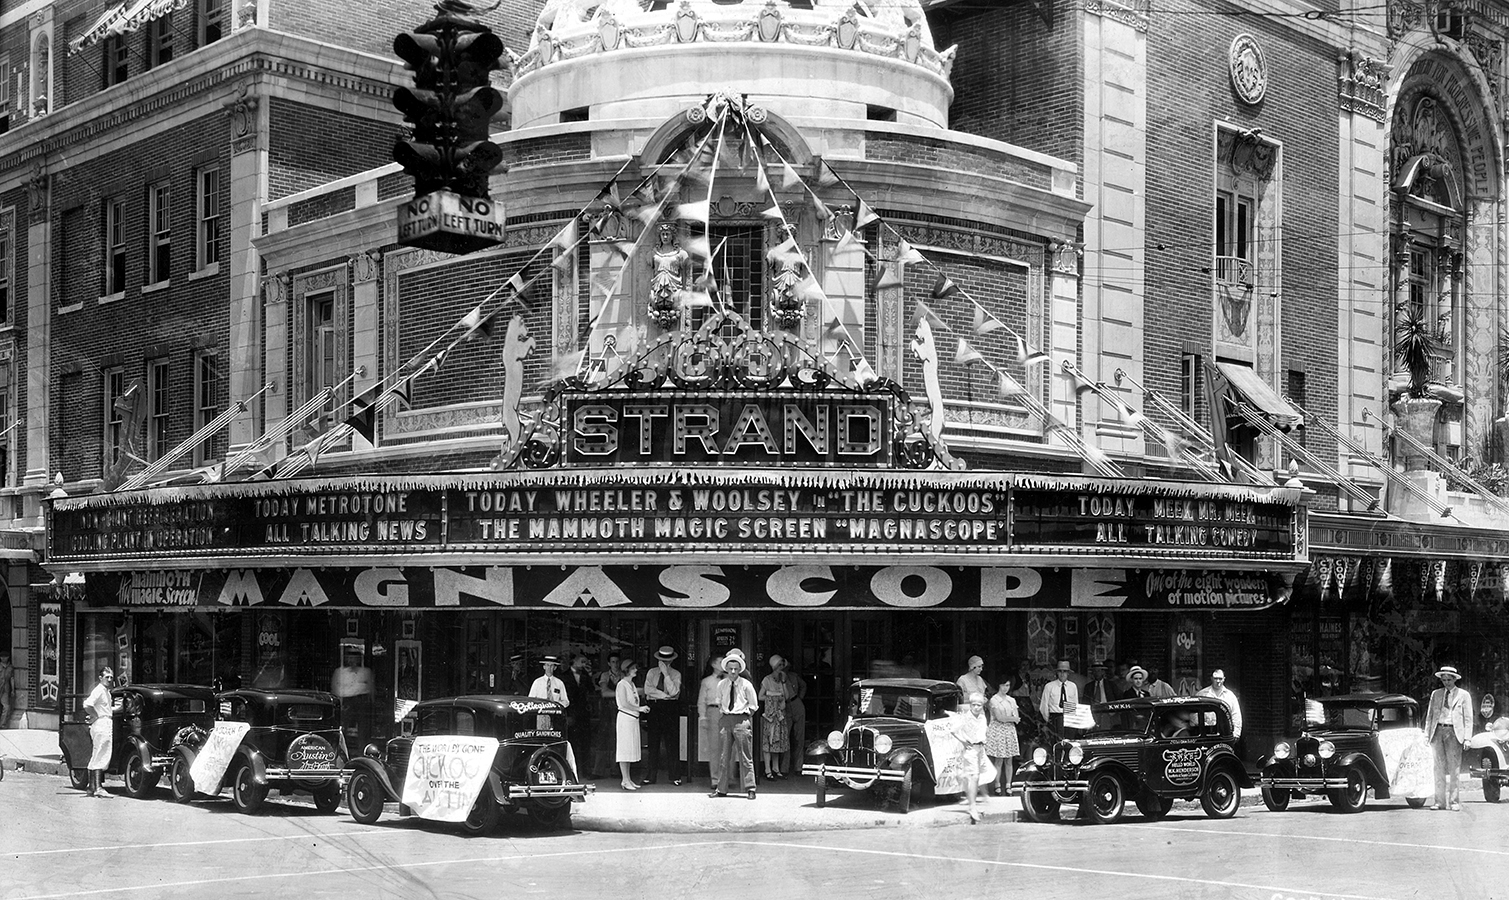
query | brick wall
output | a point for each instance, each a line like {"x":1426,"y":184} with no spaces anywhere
{"x":309,"y":147}
{"x":169,"y":324}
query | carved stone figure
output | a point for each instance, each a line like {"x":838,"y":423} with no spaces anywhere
{"x":669,"y":267}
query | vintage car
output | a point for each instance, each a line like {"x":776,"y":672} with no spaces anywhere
{"x":292,"y":741}
{"x":468,"y":760}
{"x":1487,"y":754}
{"x":1153,"y":751}
{"x":155,"y":719}
{"x":885,"y":744}
{"x":1352,"y":743}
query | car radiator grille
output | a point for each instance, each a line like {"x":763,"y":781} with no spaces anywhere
{"x":859,"y":747}
{"x":398,"y":759}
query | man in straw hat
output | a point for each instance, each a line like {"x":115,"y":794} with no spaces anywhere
{"x":549,"y":687}
{"x":1448,"y":724}
{"x":662,"y":689}
{"x":737,"y":704}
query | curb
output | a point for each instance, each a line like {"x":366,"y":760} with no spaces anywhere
{"x":34,"y":766}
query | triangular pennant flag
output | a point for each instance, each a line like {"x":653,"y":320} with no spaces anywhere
{"x":863,"y":214}
{"x":363,"y":422}
{"x":434,"y":363}
{"x":762,"y":182}
{"x":908,"y":255}
{"x":985,"y":322}
{"x":566,"y":237}
{"x":516,"y":283}
{"x":848,"y":240}
{"x":694,"y":298}
{"x":696,"y":212}
{"x":705,"y":282}
{"x":819,"y":208}
{"x":563,"y":261}
{"x":484,"y":327}
{"x":1009,"y":386}
{"x":785,"y":251}
{"x":864,"y":373}
{"x":775,"y":213}
{"x":698,"y":247}
{"x":1323,"y":569}
{"x":888,"y":278}
{"x":808,"y":289}
{"x":825,"y":175}
{"x":647,"y":214}
{"x":568,"y":364}
{"x":789,"y":178}
{"x":472,"y":319}
{"x":1082,"y":385}
{"x":402,"y":392}
{"x":1343,"y":574}
{"x":1440,"y":578}
{"x":1474,"y":574}
{"x":926,"y":314}
{"x":966,"y":354}
{"x":312,"y":452}
{"x":1028,"y":355}
{"x":944,"y":287}
{"x":521,"y":294}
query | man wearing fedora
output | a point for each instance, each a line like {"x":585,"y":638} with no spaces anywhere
{"x":512,"y":680}
{"x":1448,"y":724}
{"x":549,"y":687}
{"x":737,"y":704}
{"x":662,"y":689}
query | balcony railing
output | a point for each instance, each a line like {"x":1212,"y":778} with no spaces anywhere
{"x":1234,"y":270}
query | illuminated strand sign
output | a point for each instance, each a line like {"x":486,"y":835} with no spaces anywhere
{"x":709,"y":587}
{"x":781,"y":427}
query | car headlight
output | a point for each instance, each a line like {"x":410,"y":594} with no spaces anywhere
{"x":836,"y":740}
{"x":882,"y":743}
{"x":1040,"y":756}
{"x":1282,"y":750}
{"x":1076,"y":754}
{"x":1326,"y":749}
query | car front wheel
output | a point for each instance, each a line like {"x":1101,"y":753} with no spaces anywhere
{"x":1040,"y":806}
{"x":1105,"y":800}
{"x":78,"y":778}
{"x":364,"y":797}
{"x":1354,"y":796}
{"x":180,"y":782}
{"x":914,"y":785}
{"x":138,"y":779}
{"x":1276,"y":799}
{"x":1222,"y":795}
{"x":1490,"y":783}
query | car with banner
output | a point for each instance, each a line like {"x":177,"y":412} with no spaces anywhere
{"x":1351,"y":744}
{"x":467,"y":760}
{"x":1149,"y":751}
{"x":155,"y":720}
{"x":896,"y":743}
{"x":263,"y":740}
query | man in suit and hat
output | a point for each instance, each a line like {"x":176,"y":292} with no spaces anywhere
{"x":512,"y":681}
{"x":662,"y":690}
{"x":549,"y":687}
{"x":737,"y":704}
{"x":1137,"y":676}
{"x":1448,"y":725}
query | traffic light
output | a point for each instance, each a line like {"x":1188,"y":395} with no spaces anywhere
{"x":451,"y":105}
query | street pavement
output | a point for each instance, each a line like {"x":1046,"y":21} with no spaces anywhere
{"x":56,"y":844}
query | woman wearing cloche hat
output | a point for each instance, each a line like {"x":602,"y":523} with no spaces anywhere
{"x":775,"y":729}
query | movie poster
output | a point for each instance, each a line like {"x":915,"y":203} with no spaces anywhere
{"x":47,"y":671}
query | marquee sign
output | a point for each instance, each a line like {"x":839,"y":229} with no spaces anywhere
{"x":697,"y":587}
{"x":633,"y":515}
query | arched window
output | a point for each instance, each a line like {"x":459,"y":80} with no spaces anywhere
{"x":41,"y":74}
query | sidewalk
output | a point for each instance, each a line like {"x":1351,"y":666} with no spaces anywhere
{"x":780,"y":806}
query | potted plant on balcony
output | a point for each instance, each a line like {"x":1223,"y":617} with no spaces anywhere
{"x":1414,"y":352}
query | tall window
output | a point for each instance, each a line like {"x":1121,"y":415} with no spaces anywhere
{"x":1422,"y":279}
{"x":160,"y":41}
{"x":75,"y":258}
{"x":322,"y":372}
{"x":207,"y":243}
{"x":1234,"y":231}
{"x":158,"y":409}
{"x":205,"y":409}
{"x":159,"y":215}
{"x":115,"y":246}
{"x":115,"y":416}
{"x":7,"y":429}
{"x":1189,"y":384}
{"x":117,"y":59}
{"x":211,"y":21}
{"x":5,"y":265}
{"x":1297,"y":392}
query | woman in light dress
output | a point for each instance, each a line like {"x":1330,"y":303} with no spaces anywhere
{"x":775,"y":729}
{"x":969,"y":727}
{"x":630,"y":708}
{"x":1000,"y":737}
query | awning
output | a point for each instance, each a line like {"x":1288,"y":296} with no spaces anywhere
{"x":107,"y":25}
{"x":144,"y":11}
{"x":1257,"y":392}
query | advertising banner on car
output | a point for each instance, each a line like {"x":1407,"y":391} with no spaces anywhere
{"x":1410,"y":762}
{"x":947,"y":749}
{"x":209,"y":765}
{"x":445,"y":775}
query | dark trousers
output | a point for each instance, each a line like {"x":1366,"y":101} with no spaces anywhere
{"x":663,"y":727}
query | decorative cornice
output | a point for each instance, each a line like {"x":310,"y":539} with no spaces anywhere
{"x":1361,"y":85}
{"x":1134,"y":16}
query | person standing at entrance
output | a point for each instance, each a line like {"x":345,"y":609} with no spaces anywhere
{"x":580,"y":689}
{"x":1218,"y":689}
{"x":1448,"y":725}
{"x":512,"y":681}
{"x":737,"y":704}
{"x":7,"y":688}
{"x":662,"y":688}
{"x":629,"y":711}
{"x":548,"y":686}
{"x":796,"y":713}
{"x":1100,"y":688}
{"x":1137,"y":676}
{"x":708,"y":749}
{"x":99,"y":712}
{"x":1001,"y":737}
{"x":1060,"y":698}
{"x":972,"y":682}
{"x":775,"y":729}
{"x":352,"y":686}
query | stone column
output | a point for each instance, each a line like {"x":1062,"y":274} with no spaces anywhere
{"x":248,"y":185}
{"x":38,"y":331}
{"x":365,"y":341}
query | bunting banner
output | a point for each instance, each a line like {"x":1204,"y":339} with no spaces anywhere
{"x":1475,"y":573}
{"x":863,"y":215}
{"x":1343,"y":574}
{"x":845,"y":243}
{"x":695,"y":212}
{"x":1009,"y":386}
{"x":826,"y":177}
{"x":967,"y":355}
{"x":762,"y":181}
{"x":789,"y":178}
{"x":363,"y":422}
{"x":888,"y":278}
{"x":924,"y":313}
{"x":1028,"y":355}
{"x":1438,"y":574}
{"x":906,"y":254}
{"x":944,"y":287}
{"x":985,"y":323}
{"x":1323,"y":568}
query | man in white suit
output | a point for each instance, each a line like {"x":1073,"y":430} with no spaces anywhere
{"x":1059,"y":699}
{"x":1448,"y":725}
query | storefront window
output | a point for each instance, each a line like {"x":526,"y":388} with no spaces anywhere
{"x":96,"y":633}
